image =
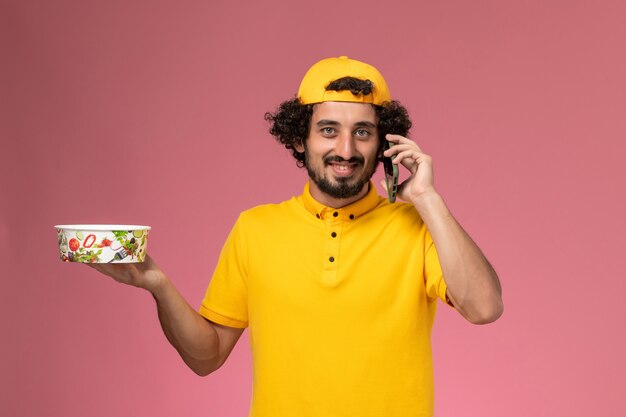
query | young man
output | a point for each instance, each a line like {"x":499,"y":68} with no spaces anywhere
{"x":338,"y":286}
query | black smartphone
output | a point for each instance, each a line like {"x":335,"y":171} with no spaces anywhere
{"x":391,"y":175}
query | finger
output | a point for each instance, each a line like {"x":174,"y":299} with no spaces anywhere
{"x":396,"y":149}
{"x":399,"y":139}
{"x":383,"y":183}
{"x":408,"y":153}
{"x":404,"y":147}
{"x":97,"y":267}
{"x":411,"y":152}
{"x":410,"y":159}
{"x":394,"y":138}
{"x":401,"y":188}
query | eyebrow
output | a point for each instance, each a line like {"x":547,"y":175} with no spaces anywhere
{"x":365,"y":123}
{"x":327,"y":122}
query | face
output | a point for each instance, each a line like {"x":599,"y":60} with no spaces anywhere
{"x":341,"y":151}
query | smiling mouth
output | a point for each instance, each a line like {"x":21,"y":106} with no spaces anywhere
{"x":343,"y":169}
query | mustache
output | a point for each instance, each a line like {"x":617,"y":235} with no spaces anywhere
{"x":335,"y":158}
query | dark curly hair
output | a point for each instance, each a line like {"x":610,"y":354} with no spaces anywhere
{"x":291,"y":123}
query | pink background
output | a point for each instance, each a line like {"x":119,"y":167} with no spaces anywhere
{"x":151,"y":112}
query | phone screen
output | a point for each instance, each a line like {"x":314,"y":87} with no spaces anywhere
{"x":391,"y":175}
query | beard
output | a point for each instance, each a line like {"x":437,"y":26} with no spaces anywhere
{"x":342,"y":187}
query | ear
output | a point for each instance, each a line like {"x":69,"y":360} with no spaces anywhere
{"x":299,"y":147}
{"x":381,"y":149}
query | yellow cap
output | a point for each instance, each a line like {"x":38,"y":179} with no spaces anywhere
{"x":313,"y":86}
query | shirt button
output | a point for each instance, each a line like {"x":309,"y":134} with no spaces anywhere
{"x":333,"y":234}
{"x":331,"y":259}
{"x":335,"y":214}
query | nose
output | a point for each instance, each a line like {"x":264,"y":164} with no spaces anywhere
{"x":345,"y":146}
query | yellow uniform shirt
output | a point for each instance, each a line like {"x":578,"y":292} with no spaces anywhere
{"x":339,"y":303}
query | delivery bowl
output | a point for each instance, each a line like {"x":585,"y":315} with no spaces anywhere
{"x":102,"y":243}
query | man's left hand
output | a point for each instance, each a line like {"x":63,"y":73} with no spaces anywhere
{"x":406,"y":152}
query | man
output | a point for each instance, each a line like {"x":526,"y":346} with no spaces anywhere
{"x":338,"y":286}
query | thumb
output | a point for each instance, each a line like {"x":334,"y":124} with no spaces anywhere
{"x":383,"y":183}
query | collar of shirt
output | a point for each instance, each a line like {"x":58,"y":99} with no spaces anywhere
{"x":351,"y":211}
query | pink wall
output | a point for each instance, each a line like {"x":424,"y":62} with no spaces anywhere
{"x":151,"y":112}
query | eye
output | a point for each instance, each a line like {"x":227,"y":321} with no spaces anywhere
{"x":328,"y":131}
{"x":361,"y":133}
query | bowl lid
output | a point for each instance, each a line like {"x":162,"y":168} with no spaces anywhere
{"x":101,"y":227}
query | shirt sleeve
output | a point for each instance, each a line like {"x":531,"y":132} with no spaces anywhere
{"x":226,"y":298}
{"x":435,"y":283}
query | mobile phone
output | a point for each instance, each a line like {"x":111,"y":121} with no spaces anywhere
{"x":391,"y":175}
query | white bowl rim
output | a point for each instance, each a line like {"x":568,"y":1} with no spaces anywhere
{"x":101,"y":227}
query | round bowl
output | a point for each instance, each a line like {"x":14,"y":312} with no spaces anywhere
{"x":102,"y":243}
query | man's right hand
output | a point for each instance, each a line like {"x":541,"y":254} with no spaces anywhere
{"x":146,"y":275}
